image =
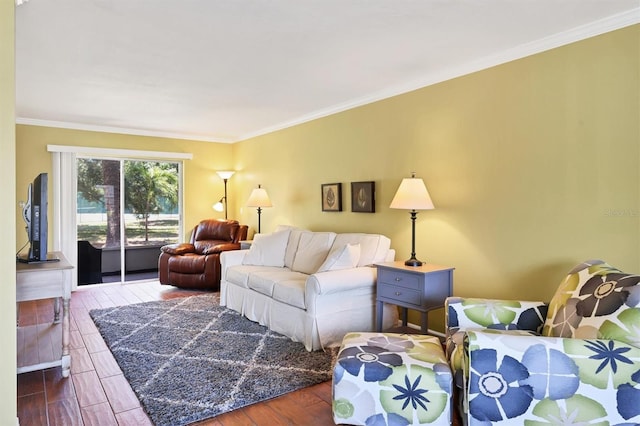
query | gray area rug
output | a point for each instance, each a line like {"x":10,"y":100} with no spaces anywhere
{"x":189,"y":359}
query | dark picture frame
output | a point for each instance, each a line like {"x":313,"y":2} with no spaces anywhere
{"x":331,"y":197}
{"x":363,"y":197}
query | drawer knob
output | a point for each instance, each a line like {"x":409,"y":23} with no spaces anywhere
{"x":398,"y":279}
{"x":398,"y":293}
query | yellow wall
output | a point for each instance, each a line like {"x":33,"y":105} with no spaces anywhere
{"x":533,"y":166}
{"x":202,"y":186}
{"x":8,"y":412}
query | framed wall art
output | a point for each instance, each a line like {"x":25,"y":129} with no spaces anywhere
{"x":331,"y":197}
{"x":363,"y":197}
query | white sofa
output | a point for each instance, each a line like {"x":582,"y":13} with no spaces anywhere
{"x":313,"y":287}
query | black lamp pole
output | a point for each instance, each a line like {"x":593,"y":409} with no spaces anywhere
{"x":259,"y":211}
{"x":225,"y":199}
{"x":413,"y":261}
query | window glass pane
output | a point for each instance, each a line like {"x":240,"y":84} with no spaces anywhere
{"x":98,"y":220}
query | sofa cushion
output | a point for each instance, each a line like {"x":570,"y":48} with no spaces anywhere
{"x":373,"y":247}
{"x":268,"y":249}
{"x":594,"y":301}
{"x":239,"y":274}
{"x":264,"y":281}
{"x":313,"y":249}
{"x":344,"y":257}
{"x":292,"y":244}
{"x":291,"y":292}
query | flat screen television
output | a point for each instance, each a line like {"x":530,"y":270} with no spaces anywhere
{"x":34,"y":214}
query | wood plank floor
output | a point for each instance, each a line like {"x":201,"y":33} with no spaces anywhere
{"x":97,"y":393}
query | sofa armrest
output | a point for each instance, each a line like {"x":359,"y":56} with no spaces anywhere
{"x":596,"y":377}
{"x":344,"y":279}
{"x":230,"y":258}
{"x":477,"y":314}
{"x":178,"y":249}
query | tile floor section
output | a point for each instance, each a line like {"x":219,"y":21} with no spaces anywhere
{"x":97,"y":393}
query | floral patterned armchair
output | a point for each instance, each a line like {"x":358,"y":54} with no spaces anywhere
{"x":573,"y":361}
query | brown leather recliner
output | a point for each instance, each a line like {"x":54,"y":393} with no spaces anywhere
{"x":197,"y":264}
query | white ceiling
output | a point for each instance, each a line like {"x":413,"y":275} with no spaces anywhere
{"x":226,"y":70}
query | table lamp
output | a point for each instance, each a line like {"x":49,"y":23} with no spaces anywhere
{"x":259,"y":198}
{"x":412,"y":195}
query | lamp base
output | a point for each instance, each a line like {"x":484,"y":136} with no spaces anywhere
{"x":413,"y":262}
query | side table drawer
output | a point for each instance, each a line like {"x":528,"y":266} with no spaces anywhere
{"x":402,"y":279}
{"x":399,"y":294}
{"x":43,"y":284}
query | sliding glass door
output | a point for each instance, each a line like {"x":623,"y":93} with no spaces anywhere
{"x":126,"y":210}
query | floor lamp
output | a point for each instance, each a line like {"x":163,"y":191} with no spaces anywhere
{"x":412,"y":195}
{"x":259,"y":198}
{"x":225,"y":175}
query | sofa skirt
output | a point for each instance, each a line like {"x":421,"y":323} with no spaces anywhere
{"x":341,"y":313}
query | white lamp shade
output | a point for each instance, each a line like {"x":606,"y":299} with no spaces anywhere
{"x":225,"y":174}
{"x":259,"y":198}
{"x":412,"y":195}
{"x":218,"y":206}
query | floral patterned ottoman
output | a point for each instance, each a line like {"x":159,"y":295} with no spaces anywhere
{"x":391,"y":379}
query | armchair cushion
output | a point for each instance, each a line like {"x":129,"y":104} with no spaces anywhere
{"x":596,"y":300}
{"x":546,"y":380}
{"x":467,"y":314}
{"x":470,"y":313}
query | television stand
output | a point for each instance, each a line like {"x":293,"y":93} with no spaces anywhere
{"x":42,"y":346}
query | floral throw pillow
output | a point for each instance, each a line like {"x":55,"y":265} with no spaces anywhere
{"x":596,"y":300}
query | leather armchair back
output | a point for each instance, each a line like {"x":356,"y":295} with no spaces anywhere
{"x":216,"y":235}
{"x":218,"y":230}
